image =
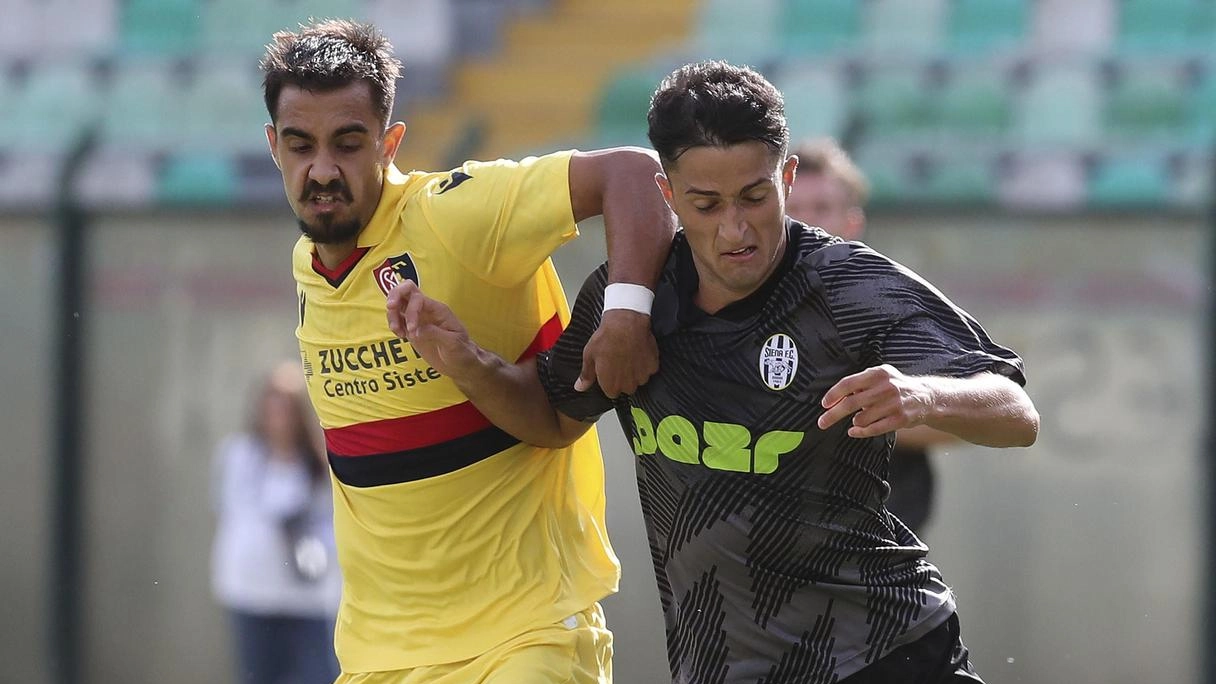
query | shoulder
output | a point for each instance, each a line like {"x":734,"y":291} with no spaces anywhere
{"x":473,"y":175}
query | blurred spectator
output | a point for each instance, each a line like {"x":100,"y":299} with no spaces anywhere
{"x":273,"y":563}
{"x":829,"y":191}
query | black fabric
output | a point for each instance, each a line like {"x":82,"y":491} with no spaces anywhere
{"x":939,"y":657}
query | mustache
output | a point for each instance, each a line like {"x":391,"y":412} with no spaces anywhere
{"x":337,"y":188}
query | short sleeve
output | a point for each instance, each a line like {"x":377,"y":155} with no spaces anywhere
{"x":885,"y":313}
{"x":559,"y":367}
{"x":503,"y":218}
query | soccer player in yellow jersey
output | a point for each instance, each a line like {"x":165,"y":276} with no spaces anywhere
{"x":466,"y":555}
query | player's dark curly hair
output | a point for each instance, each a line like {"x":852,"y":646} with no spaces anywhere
{"x":715,"y":104}
{"x":328,"y":55}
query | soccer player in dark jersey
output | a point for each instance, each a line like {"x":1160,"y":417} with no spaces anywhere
{"x":788,"y":359}
{"x":830,"y":192}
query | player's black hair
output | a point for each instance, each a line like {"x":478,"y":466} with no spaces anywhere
{"x":328,"y":55}
{"x":715,"y":104}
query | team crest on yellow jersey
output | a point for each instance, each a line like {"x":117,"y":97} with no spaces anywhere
{"x":395,"y":270}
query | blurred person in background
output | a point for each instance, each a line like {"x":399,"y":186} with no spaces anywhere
{"x":830,"y":192}
{"x":788,"y":359}
{"x":273,"y":564}
{"x":467,"y":556}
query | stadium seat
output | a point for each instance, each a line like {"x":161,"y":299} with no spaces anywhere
{"x":1061,"y":106}
{"x":975,"y":103}
{"x":959,"y":180}
{"x":1201,"y":109}
{"x":903,"y":27}
{"x":895,"y":101}
{"x":737,"y":32}
{"x":160,"y":27}
{"x":189,"y":179}
{"x":986,"y":26}
{"x":1193,"y":181}
{"x":44,"y":113}
{"x":818,"y":27}
{"x":816,"y":103}
{"x":1130,"y":181}
{"x":223,"y":110}
{"x":240,"y":28}
{"x":621,"y":113}
{"x":143,"y":105}
{"x":1145,"y":101}
{"x":1156,"y":26}
{"x":21,"y":31}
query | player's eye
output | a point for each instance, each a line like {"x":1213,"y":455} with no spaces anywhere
{"x":705,"y":208}
{"x":299,"y":149}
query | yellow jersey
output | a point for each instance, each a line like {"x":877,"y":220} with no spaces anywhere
{"x":452,"y":536}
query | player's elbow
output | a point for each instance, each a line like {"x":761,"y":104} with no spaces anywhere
{"x":1032,"y":427}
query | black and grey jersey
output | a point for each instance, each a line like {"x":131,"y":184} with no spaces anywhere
{"x":776,"y":559}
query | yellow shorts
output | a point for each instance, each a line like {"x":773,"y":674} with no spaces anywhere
{"x":577,"y":650}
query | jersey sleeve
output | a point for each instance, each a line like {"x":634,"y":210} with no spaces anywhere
{"x":503,"y":218}
{"x":559,"y":367}
{"x":885,"y":313}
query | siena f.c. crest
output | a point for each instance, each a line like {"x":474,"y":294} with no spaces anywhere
{"x":395,"y":270}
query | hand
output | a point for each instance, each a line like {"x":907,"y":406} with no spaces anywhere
{"x":880,"y":399}
{"x":431,"y":328}
{"x":621,"y":355}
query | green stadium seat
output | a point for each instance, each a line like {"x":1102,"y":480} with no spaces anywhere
{"x":903,"y":27}
{"x":44,"y":113}
{"x":816,"y":103}
{"x":737,"y":32}
{"x":621,"y":113}
{"x":223,"y":110}
{"x":985,"y":26}
{"x":960,"y":181}
{"x":143,"y":105}
{"x":975,"y":103}
{"x":1201,"y":110}
{"x":894,"y":102}
{"x":194,"y":179}
{"x":1127,"y":182}
{"x":241,"y":28}
{"x":818,"y":27}
{"x":1156,"y":26}
{"x":888,"y":173}
{"x":160,"y":27}
{"x":1145,"y":102}
{"x":1061,"y":107}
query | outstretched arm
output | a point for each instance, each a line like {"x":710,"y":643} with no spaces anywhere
{"x":986,"y":409}
{"x":510,"y":395}
{"x":619,"y":183}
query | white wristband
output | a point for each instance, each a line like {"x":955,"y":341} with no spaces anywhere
{"x":628,"y":296}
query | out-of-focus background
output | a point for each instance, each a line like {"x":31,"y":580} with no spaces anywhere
{"x":1047,"y":163}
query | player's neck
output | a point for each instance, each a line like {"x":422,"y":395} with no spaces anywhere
{"x":332,"y":255}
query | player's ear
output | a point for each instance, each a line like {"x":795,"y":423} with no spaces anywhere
{"x":271,"y":139}
{"x":392,"y":140}
{"x":665,"y":188}
{"x":789,"y":171}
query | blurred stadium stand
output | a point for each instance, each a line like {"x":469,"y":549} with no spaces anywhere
{"x":960,"y":99}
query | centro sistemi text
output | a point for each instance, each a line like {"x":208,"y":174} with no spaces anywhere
{"x":388,"y":355}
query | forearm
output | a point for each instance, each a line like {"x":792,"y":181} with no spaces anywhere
{"x":637,"y":222}
{"x":512,"y":397}
{"x":985,"y":409}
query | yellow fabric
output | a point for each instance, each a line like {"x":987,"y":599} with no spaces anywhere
{"x":575,"y":651}
{"x":446,"y":568}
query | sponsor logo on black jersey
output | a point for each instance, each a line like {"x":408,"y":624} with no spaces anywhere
{"x":452,"y":181}
{"x":395,"y":270}
{"x":778,"y":361}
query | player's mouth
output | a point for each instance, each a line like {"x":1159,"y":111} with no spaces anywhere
{"x":741,"y":254}
{"x":324,"y":203}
